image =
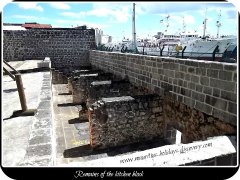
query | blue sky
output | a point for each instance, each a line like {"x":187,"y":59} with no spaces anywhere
{"x":115,"y":19}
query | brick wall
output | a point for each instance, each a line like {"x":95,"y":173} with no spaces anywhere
{"x":65,"y":47}
{"x":210,"y":87}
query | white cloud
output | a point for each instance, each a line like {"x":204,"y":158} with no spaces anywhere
{"x":74,"y":23}
{"x":74,"y":15}
{"x":60,"y":5}
{"x":29,"y":18}
{"x":25,"y":17}
{"x":30,"y":5}
{"x":189,"y":19}
{"x":118,"y":13}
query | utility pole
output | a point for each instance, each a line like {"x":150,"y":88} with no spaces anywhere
{"x":218,"y":24}
{"x":205,"y":24}
{"x":184,"y":25}
{"x":134,"y":30}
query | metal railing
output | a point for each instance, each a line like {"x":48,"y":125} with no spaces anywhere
{"x":18,"y":79}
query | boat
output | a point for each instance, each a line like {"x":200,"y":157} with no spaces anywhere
{"x":191,"y":45}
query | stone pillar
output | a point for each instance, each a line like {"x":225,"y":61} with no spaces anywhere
{"x":70,"y":80}
{"x":60,"y":78}
{"x":54,"y":76}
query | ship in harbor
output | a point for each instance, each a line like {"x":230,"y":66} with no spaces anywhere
{"x":184,"y":44}
{"x":190,"y":45}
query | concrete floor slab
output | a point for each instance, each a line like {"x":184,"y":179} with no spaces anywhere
{"x":16,"y":133}
{"x":25,"y":65}
{"x":27,"y":140}
{"x":32,"y":84}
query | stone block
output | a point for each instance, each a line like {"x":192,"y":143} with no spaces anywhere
{"x":216,"y":65}
{"x":189,"y":101}
{"x":230,"y":67}
{"x":235,"y":76}
{"x":216,"y":92}
{"x":179,"y":74}
{"x":201,"y":71}
{"x":232,"y":107}
{"x":187,"y":77}
{"x":213,"y":73}
{"x":199,"y":88}
{"x":183,"y":68}
{"x":203,"y":107}
{"x":191,"y":63}
{"x":228,"y":96}
{"x":207,"y":90}
{"x":195,"y":79}
{"x":191,"y":70}
{"x":204,"y":81}
{"x":191,"y":85}
{"x":223,"y":85}
{"x":198,"y":96}
{"x":169,"y":73}
{"x":226,"y":75}
{"x":216,"y":102}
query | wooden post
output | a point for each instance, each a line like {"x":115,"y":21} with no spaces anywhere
{"x":21,"y":92}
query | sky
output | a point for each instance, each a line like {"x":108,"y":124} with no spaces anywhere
{"x":115,"y":19}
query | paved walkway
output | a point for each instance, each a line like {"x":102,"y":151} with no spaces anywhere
{"x":27,"y":140}
{"x":25,"y":65}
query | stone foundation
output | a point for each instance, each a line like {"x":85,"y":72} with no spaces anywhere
{"x":58,"y":77}
{"x":193,"y":124}
{"x":125,"y":120}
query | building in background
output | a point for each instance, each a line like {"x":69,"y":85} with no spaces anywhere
{"x":36,"y":25}
{"x":27,"y":25}
{"x":106,"y":39}
{"x":101,"y":38}
{"x":98,"y":36}
{"x":12,"y":26}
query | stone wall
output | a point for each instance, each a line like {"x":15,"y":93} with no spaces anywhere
{"x":210,"y":87}
{"x":80,"y":86}
{"x":124,"y":120}
{"x":192,"y":123}
{"x":66,"y":47}
{"x":113,"y":88}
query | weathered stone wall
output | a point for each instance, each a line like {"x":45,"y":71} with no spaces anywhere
{"x":80,"y":86}
{"x":210,"y":87}
{"x":114,"y":88}
{"x":192,"y":123}
{"x":66,"y":48}
{"x":124,"y":120}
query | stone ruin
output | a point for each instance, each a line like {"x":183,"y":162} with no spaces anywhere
{"x":120,"y":113}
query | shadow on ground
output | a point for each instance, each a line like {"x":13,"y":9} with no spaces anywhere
{"x":77,"y":120}
{"x":86,"y":150}
{"x":10,"y":90}
{"x":64,"y":94}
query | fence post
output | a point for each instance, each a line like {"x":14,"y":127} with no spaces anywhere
{"x":183,"y":51}
{"x":21,"y":92}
